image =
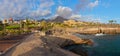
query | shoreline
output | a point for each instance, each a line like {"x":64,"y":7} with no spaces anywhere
{"x":46,"y":44}
{"x":96,"y":30}
{"x":52,"y":43}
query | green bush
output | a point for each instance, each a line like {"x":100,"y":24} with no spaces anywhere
{"x":1,"y":28}
{"x":13,"y":27}
{"x":31,"y":26}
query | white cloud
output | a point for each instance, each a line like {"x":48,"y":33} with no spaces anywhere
{"x":93,"y":4}
{"x":46,"y":3}
{"x":75,"y":16}
{"x":91,"y":18}
{"x":64,"y":11}
{"x":44,"y":9}
{"x":67,"y":12}
{"x":39,"y":13}
{"x":85,"y":4}
{"x":23,"y":8}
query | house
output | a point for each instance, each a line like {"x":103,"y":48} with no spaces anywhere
{"x":5,"y":21}
{"x":10,"y":20}
{"x":70,"y":22}
{"x":16,"y":22}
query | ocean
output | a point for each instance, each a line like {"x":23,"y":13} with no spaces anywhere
{"x":106,"y":45}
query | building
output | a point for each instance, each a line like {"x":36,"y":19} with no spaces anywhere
{"x":5,"y":21}
{"x":11,"y":20}
{"x":70,"y":22}
{"x":74,"y":23}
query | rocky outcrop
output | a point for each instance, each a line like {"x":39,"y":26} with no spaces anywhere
{"x":100,"y":30}
{"x":36,"y":45}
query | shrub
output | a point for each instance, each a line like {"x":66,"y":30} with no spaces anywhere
{"x":13,"y":27}
{"x":1,"y":28}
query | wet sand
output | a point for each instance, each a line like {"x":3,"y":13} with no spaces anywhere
{"x":4,"y":45}
{"x":8,"y":41}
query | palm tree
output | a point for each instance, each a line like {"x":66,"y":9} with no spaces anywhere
{"x":4,"y":26}
{"x":27,"y":24}
{"x":43,"y":25}
{"x":21,"y":24}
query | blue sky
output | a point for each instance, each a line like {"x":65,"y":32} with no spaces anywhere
{"x":104,"y":11}
{"x":87,"y":10}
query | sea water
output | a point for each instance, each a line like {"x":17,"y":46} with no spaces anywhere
{"x":107,"y":45}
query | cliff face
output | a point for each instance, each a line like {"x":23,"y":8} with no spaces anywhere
{"x":36,"y":45}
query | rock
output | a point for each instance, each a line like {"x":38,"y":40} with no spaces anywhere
{"x":42,"y":46}
{"x":105,"y":30}
{"x":81,"y":51}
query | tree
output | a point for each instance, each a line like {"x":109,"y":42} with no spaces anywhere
{"x":27,"y":23}
{"x":112,"y":21}
{"x":21,"y":24}
{"x":43,"y":25}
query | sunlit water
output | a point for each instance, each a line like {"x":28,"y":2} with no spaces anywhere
{"x":107,"y":45}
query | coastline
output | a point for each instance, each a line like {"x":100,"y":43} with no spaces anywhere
{"x":104,"y":30}
{"x":46,"y":46}
{"x":53,"y":43}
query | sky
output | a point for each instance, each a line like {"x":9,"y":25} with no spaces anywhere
{"x":84,"y":10}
